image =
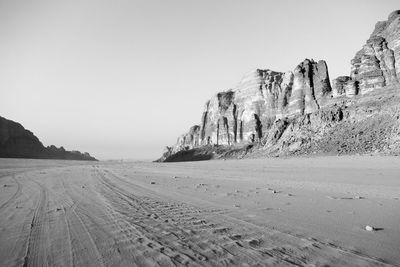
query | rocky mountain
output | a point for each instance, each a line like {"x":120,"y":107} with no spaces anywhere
{"x":272,"y":113}
{"x":17,"y":142}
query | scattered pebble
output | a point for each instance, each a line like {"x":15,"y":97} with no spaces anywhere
{"x":236,"y":206}
{"x":58,"y":209}
{"x":358,"y":197}
{"x":153,"y":183}
{"x":175,"y":177}
{"x":289,"y":195}
{"x":274,"y":191}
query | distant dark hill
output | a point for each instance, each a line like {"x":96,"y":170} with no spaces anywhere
{"x":17,"y":142}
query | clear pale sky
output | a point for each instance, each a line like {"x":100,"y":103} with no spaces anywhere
{"x":123,"y":79}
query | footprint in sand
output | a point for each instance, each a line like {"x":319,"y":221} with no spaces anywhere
{"x":236,"y":237}
{"x":222,"y":230}
{"x":254,"y":242}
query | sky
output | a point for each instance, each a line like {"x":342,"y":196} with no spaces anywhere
{"x":123,"y":79}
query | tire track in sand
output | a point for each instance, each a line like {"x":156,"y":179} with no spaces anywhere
{"x":206,"y":237}
{"x":14,"y":196}
{"x":180,"y":228}
{"x":33,"y":255}
{"x":77,"y":230}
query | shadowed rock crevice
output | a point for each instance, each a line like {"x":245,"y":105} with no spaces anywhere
{"x":235,"y":124}
{"x":258,"y":127}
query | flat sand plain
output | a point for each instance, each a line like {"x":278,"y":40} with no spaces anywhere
{"x":266,"y":212}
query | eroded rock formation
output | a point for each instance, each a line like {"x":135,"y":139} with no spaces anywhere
{"x":377,"y":64}
{"x":344,"y":85}
{"x":262,"y":96}
{"x":17,"y":142}
{"x":299,"y":112}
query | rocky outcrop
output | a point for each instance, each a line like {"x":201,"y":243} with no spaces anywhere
{"x":377,"y":64}
{"x":189,"y":139}
{"x":299,"y":112}
{"x":17,"y":142}
{"x":344,"y":86}
{"x":244,"y":113}
{"x":262,"y":96}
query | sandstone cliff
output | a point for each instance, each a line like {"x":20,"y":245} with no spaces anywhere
{"x":297,"y":112}
{"x":377,"y":64}
{"x":17,"y":142}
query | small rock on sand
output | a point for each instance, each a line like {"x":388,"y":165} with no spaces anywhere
{"x":369,"y":228}
{"x":153,"y":183}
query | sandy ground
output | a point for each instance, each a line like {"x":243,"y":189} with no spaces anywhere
{"x":273,"y":212}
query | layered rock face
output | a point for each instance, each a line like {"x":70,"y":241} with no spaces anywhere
{"x":262,"y":96}
{"x":189,"y":139}
{"x":377,"y":64}
{"x":344,"y":85}
{"x":17,"y":142}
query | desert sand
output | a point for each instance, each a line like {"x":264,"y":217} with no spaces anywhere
{"x":267,"y":212}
